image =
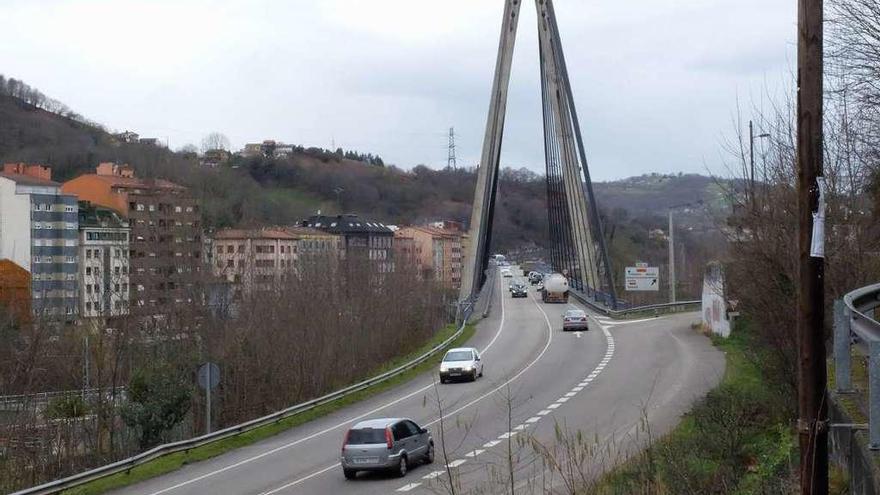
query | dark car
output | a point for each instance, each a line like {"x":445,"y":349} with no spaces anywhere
{"x":518,"y":290}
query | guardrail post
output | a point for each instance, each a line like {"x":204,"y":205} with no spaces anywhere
{"x":874,"y":395}
{"x":842,"y":357}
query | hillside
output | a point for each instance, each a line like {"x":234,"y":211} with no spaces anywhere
{"x":259,"y":191}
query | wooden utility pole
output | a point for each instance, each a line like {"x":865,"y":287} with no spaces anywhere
{"x":812,"y":408}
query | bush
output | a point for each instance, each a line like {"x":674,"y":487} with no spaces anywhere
{"x":70,"y":406}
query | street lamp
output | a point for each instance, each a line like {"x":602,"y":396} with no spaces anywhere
{"x":752,"y":137}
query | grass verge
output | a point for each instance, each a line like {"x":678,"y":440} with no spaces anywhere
{"x":738,"y":439}
{"x":177,"y":460}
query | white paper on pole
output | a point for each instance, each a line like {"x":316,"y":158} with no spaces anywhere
{"x":817,"y":242}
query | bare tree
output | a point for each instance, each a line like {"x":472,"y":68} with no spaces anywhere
{"x":215,"y":141}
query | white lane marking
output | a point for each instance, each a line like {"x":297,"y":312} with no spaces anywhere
{"x":533,"y":419}
{"x":544,"y":412}
{"x":578,"y":388}
{"x":433,"y":474}
{"x":519,"y":427}
{"x":553,"y":406}
{"x":406,"y":488}
{"x":331,"y":428}
{"x":457,"y":462}
{"x":562,"y":400}
{"x":578,"y":334}
{"x":292,"y":483}
{"x":491,"y":443}
{"x":571,"y":394}
{"x":507,"y":435}
{"x":474,"y":453}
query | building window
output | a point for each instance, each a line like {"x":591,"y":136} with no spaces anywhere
{"x":229,"y":248}
{"x":88,"y":270}
{"x":88,"y":306}
{"x":139,"y":207}
{"x":230,"y":264}
{"x":116,"y":287}
{"x":116,"y":270}
{"x":152,"y":207}
{"x":88,"y":254}
{"x":38,"y":225}
{"x":177,"y":209}
{"x":70,"y":259}
{"x":240,"y":248}
{"x":69,"y":209}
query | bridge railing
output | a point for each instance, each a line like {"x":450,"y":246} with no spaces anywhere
{"x":83,"y":478}
{"x":854,"y":325}
{"x":596,"y":302}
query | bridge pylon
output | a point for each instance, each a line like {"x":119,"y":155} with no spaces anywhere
{"x":577,"y":241}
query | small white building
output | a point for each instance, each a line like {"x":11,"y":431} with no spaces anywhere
{"x":104,"y":268}
{"x":717,"y":316}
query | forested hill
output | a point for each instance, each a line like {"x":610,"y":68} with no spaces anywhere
{"x":259,"y":190}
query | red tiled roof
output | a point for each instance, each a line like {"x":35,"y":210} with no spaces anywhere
{"x":137,"y":182}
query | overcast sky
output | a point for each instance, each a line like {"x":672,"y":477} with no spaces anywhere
{"x":656,"y":82}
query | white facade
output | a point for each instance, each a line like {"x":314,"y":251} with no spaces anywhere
{"x":104,"y":271}
{"x":15,"y":224}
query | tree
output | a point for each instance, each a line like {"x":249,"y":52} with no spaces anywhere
{"x":159,"y":398}
{"x":188,"y":149}
{"x":215,"y":141}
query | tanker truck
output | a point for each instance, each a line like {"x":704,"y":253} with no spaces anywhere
{"x":555,"y":289}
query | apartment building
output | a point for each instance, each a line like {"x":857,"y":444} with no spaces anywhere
{"x":38,"y":232}
{"x":314,"y":242}
{"x":165,"y":243}
{"x":253,"y":259}
{"x":436,"y":251}
{"x":104,"y":262}
{"x":361,"y":238}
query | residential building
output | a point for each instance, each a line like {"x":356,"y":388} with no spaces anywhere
{"x":436,"y":252}
{"x":214,"y":158}
{"x":360,"y":238}
{"x":253,"y":259}
{"x":38,"y":232}
{"x":315,"y":242}
{"x":127,"y":137}
{"x":104,"y":262}
{"x":15,"y":291}
{"x":165,"y":244}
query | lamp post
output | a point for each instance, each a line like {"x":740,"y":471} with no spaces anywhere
{"x":752,"y":137}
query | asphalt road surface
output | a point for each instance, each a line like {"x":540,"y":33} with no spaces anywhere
{"x":617,"y":384}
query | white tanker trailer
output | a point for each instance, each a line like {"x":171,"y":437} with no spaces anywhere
{"x":555,"y":289}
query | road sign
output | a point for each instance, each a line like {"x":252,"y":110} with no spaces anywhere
{"x":642,"y":278}
{"x":209,"y":371}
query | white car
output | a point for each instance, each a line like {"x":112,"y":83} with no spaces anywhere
{"x":461,"y":362}
{"x":506,"y":273}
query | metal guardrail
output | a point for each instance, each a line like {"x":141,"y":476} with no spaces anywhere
{"x":851,"y":320}
{"x":185,"y":445}
{"x":623,"y":313}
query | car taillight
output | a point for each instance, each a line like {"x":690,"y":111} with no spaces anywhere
{"x":345,"y":440}
{"x":388,"y":438}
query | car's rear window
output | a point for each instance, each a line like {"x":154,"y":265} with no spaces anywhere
{"x":364,"y":436}
{"x":458,"y":356}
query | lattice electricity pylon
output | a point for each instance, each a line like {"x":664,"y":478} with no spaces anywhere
{"x":578,"y":244}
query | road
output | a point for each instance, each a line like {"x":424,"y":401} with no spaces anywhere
{"x":538,"y":382}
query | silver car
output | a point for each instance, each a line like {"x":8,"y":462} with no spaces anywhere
{"x":461,"y":362}
{"x":575,"y":319}
{"x":385,"y":444}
